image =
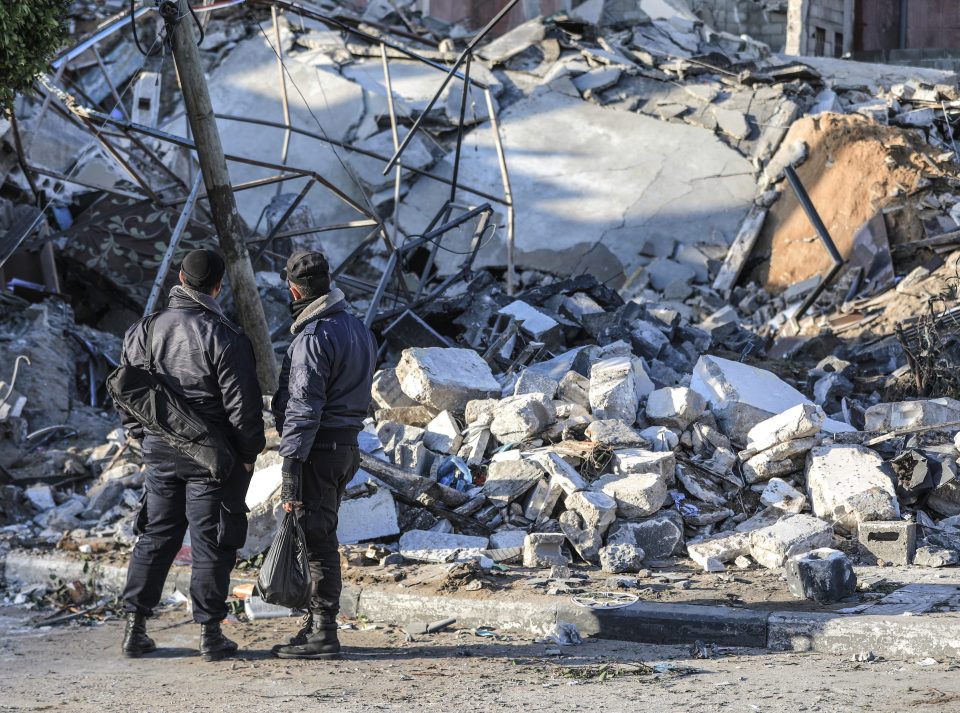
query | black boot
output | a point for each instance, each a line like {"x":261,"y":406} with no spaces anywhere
{"x":136,"y":643}
{"x":321,"y":642}
{"x":300,"y":638}
{"x":213,"y":644}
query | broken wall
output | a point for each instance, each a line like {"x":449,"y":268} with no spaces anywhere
{"x":764,"y":20}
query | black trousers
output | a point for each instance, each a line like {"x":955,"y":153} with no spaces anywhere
{"x":325,"y":477}
{"x":179,"y":495}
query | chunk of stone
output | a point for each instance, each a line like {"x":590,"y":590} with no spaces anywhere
{"x":783,"y":496}
{"x":442,"y":434}
{"x":772,"y":546}
{"x":661,"y":439}
{"x":41,"y":497}
{"x":675,"y":407}
{"x":368,"y":518}
{"x":532,"y":382}
{"x":574,"y":388}
{"x":542,"y":500}
{"x":620,"y":559}
{"x":586,"y":540}
{"x":418,"y":415}
{"x":445,"y":379}
{"x":544,"y":549}
{"x":102,"y":497}
{"x":847,"y":485}
{"x":933,"y":556}
{"x":665,"y":273}
{"x":781,"y":459}
{"x":533,"y":322}
{"x":597,"y":80}
{"x":732,"y":123}
{"x":616,"y":387}
{"x":700,"y":486}
{"x":893,"y":542}
{"x":712,"y":552}
{"x":509,"y":480}
{"x":615,"y":434}
{"x":659,"y":536}
{"x":561,"y":473}
{"x":911,"y":414}
{"x":578,"y":305}
{"x":597,"y":509}
{"x":637,"y":461}
{"x":386,"y":390}
{"x":824,"y":575}
{"x":800,"y":421}
{"x":648,"y":340}
{"x":763,"y":518}
{"x":741,"y":396}
{"x":507,"y":539}
{"x":636,"y":495}
{"x":480,"y":412}
{"x":430,"y":546}
{"x":521,"y":417}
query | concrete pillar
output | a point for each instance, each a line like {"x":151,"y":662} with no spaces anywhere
{"x":849,"y":13}
{"x":797,"y":27}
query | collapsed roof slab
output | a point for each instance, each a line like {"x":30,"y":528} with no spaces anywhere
{"x":247,"y":84}
{"x":584,"y":174}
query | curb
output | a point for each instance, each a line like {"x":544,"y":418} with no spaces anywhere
{"x":932,"y":635}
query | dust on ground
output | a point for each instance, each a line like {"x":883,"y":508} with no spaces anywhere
{"x":79,"y":669}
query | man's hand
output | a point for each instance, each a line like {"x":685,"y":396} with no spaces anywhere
{"x":292,"y":505}
{"x":290,"y":484}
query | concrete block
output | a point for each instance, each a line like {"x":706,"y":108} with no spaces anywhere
{"x":518,"y":418}
{"x":912,"y":414}
{"x":781,"y":459}
{"x":661,"y":439}
{"x":783,"y":496}
{"x":800,"y":421}
{"x":429,"y":546}
{"x":597,"y":509}
{"x":616,"y":387}
{"x":712,"y":552}
{"x":41,"y":497}
{"x":637,"y":461}
{"x":544,"y":549}
{"x":507,"y":539}
{"x":675,"y":407}
{"x":615,"y":434}
{"x":562,"y":474}
{"x":659,"y":536}
{"x":509,"y":480}
{"x":619,"y":559}
{"x":933,"y":556}
{"x":574,"y":388}
{"x":847,"y":485}
{"x":772,"y":546}
{"x":442,"y":434}
{"x":823,"y":575}
{"x":636,"y":496}
{"x":532,"y":382}
{"x":386,"y":390}
{"x":586,"y":540}
{"x":533,"y":322}
{"x":368,"y":518}
{"x":445,"y":379}
{"x":893,"y":542}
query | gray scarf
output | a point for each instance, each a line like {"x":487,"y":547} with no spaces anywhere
{"x":201,"y":298}
{"x":318,"y":308}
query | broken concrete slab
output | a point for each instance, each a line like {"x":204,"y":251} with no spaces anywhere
{"x":781,"y":459}
{"x":659,"y":536}
{"x":636,"y":496}
{"x":368,"y":518}
{"x":675,"y":407}
{"x":933,"y":556}
{"x":847,"y":485}
{"x":574,"y":388}
{"x":386,"y":390}
{"x":518,"y":418}
{"x":532,"y":382}
{"x":713,"y":552}
{"x":429,"y":546}
{"x":772,"y":546}
{"x":621,"y":559}
{"x":912,"y":414}
{"x":586,"y":540}
{"x":442,"y":434}
{"x":824,"y":575}
{"x":445,"y":379}
{"x":800,"y":421}
{"x":544,"y":549}
{"x":612,"y":433}
{"x":616,"y":387}
{"x":781,"y":495}
{"x":509,"y":480}
{"x":637,"y":461}
{"x":543,"y":500}
{"x":562,"y":474}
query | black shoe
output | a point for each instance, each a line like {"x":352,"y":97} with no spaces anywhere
{"x":136,"y":643}
{"x":214,"y":646}
{"x":321,"y":643}
{"x":300,"y":638}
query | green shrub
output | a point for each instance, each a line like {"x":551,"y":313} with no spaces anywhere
{"x":30,"y":32}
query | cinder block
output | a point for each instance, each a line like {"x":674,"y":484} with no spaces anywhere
{"x":893,"y":541}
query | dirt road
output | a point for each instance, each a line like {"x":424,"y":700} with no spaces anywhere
{"x":79,"y":669}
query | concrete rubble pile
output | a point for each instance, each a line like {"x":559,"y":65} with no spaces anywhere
{"x":646,"y":396}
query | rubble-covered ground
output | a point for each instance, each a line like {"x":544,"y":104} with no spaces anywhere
{"x":647,"y":411}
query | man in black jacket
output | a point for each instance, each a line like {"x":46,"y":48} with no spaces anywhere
{"x":210,"y":361}
{"x":322,"y":400}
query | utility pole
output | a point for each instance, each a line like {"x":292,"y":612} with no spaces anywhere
{"x":216,"y":178}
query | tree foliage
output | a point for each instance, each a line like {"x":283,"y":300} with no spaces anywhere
{"x":30,"y":32}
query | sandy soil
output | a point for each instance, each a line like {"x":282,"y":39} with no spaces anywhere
{"x":79,"y":669}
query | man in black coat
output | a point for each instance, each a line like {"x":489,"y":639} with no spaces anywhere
{"x":322,"y":400}
{"x":205,"y":357}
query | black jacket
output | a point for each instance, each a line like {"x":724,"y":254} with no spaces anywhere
{"x":210,"y":361}
{"x":326,"y":377}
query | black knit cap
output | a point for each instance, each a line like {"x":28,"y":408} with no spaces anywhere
{"x":202,"y":269}
{"x":308,"y":269}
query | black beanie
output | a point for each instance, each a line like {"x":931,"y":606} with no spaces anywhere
{"x":202,"y":269}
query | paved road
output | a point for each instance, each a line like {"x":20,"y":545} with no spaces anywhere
{"x":79,"y":669}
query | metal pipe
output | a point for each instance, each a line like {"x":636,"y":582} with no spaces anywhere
{"x":391,"y":109}
{"x":110,"y":84}
{"x":285,"y":148}
{"x":446,"y":80}
{"x":463,"y":116}
{"x":507,"y":191}
{"x":174,"y":241}
{"x":267,"y":241}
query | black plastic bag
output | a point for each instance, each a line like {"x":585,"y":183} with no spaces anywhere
{"x":285,"y":575}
